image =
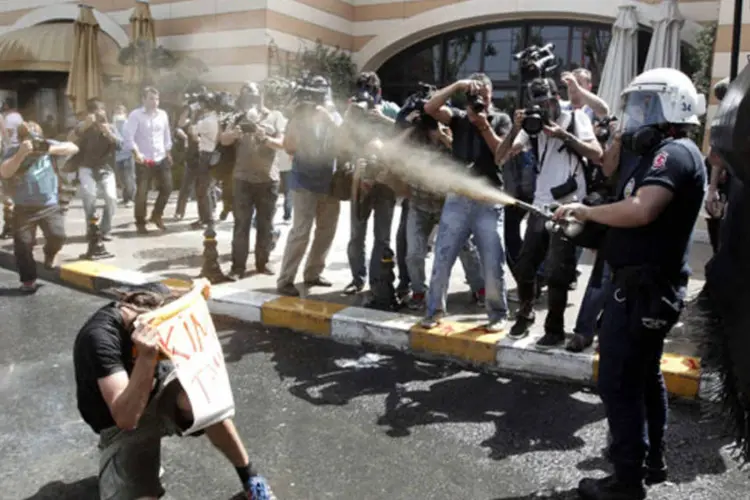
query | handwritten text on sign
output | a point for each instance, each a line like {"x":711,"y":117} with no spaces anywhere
{"x":187,"y":336}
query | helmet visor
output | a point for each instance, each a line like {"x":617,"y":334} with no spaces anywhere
{"x":640,"y":109}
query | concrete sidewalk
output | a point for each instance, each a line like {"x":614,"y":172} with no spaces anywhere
{"x":175,"y":257}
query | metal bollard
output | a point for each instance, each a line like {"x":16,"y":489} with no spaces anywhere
{"x":211,"y":269}
{"x":96,"y":250}
{"x":383,"y":290}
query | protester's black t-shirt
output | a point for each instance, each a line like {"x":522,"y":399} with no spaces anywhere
{"x":664,"y":243}
{"x":469,"y":145}
{"x":102,"y":347}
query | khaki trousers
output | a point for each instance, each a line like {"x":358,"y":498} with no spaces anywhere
{"x":309,"y":207}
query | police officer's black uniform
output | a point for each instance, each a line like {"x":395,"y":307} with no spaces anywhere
{"x":643,"y":302}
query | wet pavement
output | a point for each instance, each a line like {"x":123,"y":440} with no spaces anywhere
{"x":327,"y":421}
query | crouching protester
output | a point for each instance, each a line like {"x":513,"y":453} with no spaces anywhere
{"x":129,"y":396}
{"x":30,"y":175}
{"x":646,"y":247}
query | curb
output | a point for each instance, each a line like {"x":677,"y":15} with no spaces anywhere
{"x":467,"y":344}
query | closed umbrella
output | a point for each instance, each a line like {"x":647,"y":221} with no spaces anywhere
{"x":621,"y":64}
{"x":664,"y":51}
{"x":143,"y":40}
{"x":84,"y":76}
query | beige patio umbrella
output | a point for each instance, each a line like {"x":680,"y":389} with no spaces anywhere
{"x":142,"y":38}
{"x":664,"y":51}
{"x":84,"y":76}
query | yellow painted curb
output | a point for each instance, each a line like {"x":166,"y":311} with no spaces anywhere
{"x":176,"y":283}
{"x":309,"y":316}
{"x":467,"y":341}
{"x":682,"y":374}
{"x":83,"y":273}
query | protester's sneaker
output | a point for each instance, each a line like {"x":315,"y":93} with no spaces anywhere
{"x":28,"y":287}
{"x":432,"y":320}
{"x":416,"y":302}
{"x":223,"y":215}
{"x":258,"y":489}
{"x":496,"y":326}
{"x":479,"y":297}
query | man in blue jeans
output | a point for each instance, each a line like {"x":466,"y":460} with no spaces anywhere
{"x":477,"y":130}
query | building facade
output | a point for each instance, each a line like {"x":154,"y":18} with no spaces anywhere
{"x":406,"y":40}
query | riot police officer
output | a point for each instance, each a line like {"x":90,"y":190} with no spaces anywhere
{"x":646,"y":247}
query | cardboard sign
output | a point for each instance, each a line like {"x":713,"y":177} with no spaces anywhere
{"x":188,"y":338}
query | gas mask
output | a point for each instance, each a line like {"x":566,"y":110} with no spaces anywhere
{"x":642,"y":122}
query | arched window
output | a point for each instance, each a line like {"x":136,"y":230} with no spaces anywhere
{"x":490,"y":48}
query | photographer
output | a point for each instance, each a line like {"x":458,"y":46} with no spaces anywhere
{"x":206,"y":133}
{"x":188,"y":118}
{"x":97,"y":141}
{"x":367,"y":121}
{"x":424,"y":212}
{"x":310,"y":138}
{"x":256,"y":138}
{"x":477,"y":131}
{"x":29,"y":171}
{"x":566,"y":141}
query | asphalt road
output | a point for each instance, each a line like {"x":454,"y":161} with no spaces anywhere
{"x":331,"y":422}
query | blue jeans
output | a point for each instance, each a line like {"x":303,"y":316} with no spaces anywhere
{"x":419,"y":225}
{"x":460,"y":219}
{"x":592,"y":304}
{"x":125,"y":170}
{"x":381,"y":202}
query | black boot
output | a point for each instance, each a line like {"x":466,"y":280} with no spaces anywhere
{"x":525,"y":315}
{"x":554,"y":324}
{"x":656,"y":469}
{"x":610,"y":488}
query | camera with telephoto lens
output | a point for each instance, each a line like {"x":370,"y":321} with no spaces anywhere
{"x":536,"y":62}
{"x":534,"y":120}
{"x":412,"y":113}
{"x":602,"y":128}
{"x":476,"y":103}
{"x":39,"y":145}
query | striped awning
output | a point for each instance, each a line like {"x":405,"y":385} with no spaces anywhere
{"x":49,"y":47}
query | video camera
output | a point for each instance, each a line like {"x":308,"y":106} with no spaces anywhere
{"x":311,"y":91}
{"x":535,"y":63}
{"x":200,"y":101}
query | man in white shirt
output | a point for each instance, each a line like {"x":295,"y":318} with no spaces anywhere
{"x":148,"y":136}
{"x":206,"y":134}
{"x":562,"y":148}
